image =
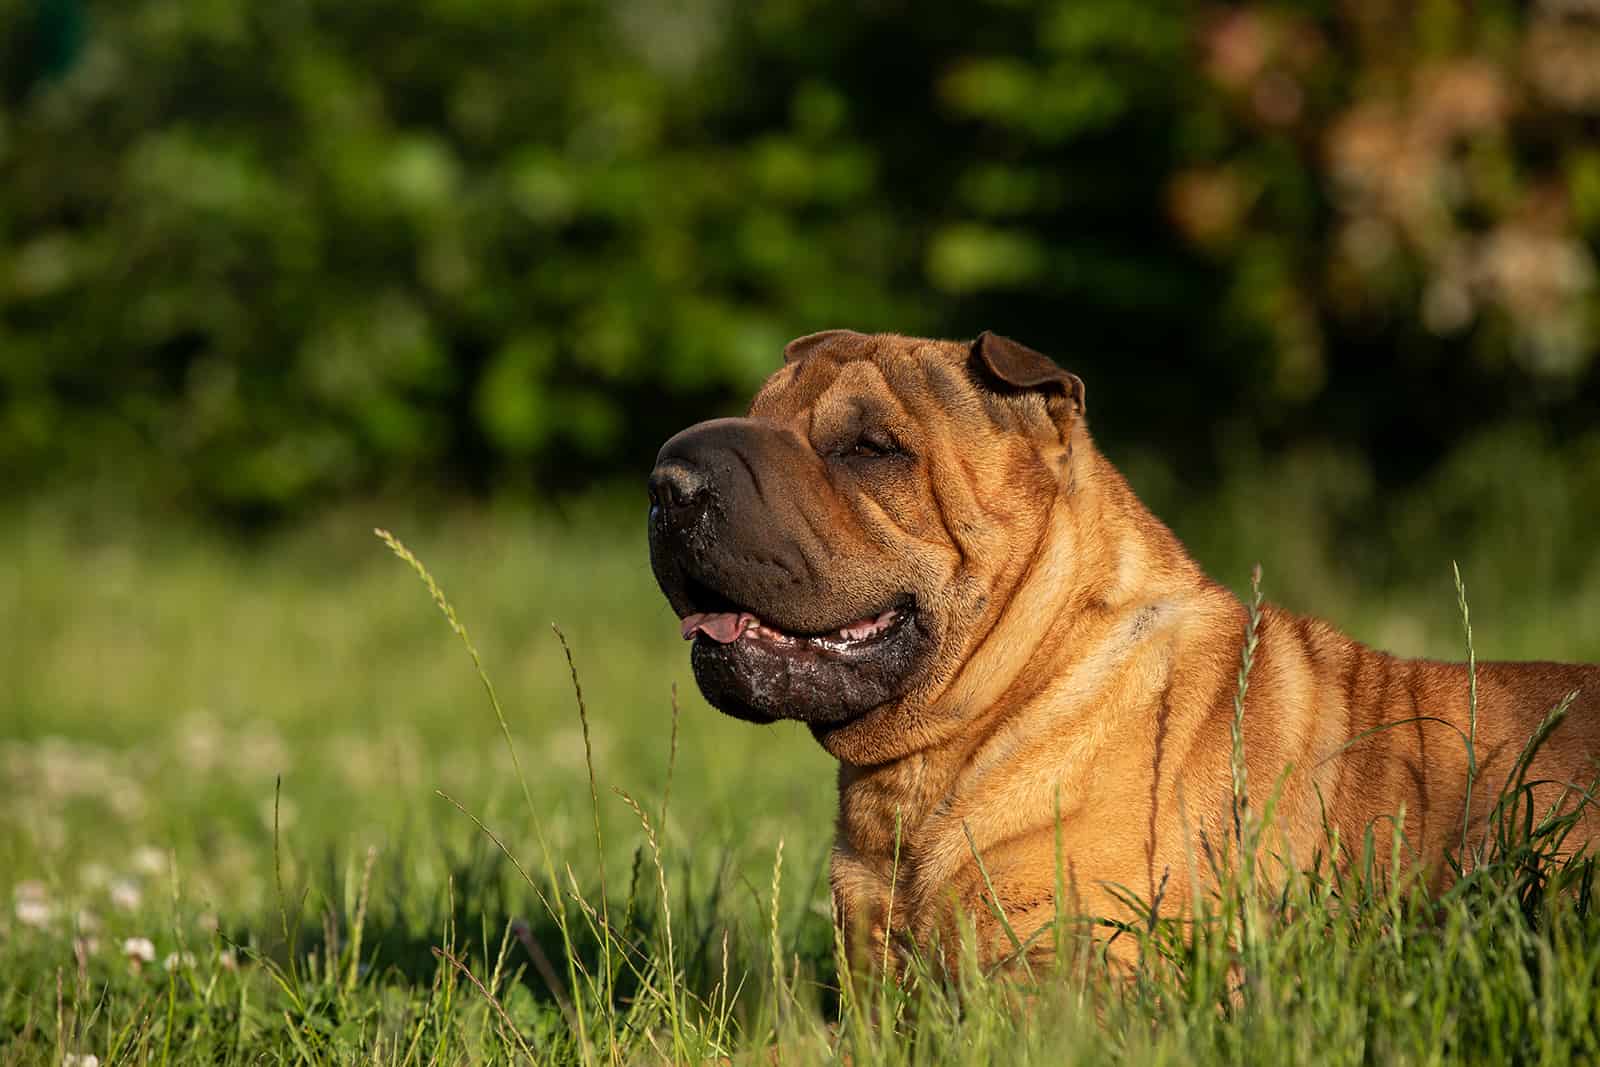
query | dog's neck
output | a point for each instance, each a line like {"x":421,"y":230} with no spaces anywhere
{"x":1080,"y":595}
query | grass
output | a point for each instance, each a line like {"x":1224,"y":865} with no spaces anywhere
{"x":261,"y":805}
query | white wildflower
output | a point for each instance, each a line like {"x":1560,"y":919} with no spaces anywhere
{"x":33,"y":904}
{"x":35,"y":912}
{"x":139,"y":950}
{"x":125,"y":895}
{"x":174,"y":961}
{"x":147,"y":859}
{"x":76,"y":1059}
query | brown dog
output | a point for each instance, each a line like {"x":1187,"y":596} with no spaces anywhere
{"x":915,"y":547}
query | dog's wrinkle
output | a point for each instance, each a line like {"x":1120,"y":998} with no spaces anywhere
{"x":1002,"y":414}
{"x":1419,"y":783}
{"x":950,"y":395}
{"x":876,"y":507}
{"x":774,"y":562}
{"x":1000,"y":741}
{"x":819,"y":537}
{"x":973,"y":493}
{"x":1351,"y":679}
{"x":1014,"y":835}
{"x":994,"y":619}
{"x":1022,"y":905}
{"x":944,"y":522}
{"x":1163,"y":721}
{"x":958,"y":787}
{"x":1422,"y":750}
{"x":812,"y":576}
{"x":750,"y":470}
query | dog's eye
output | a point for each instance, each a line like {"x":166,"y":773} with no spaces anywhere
{"x":872,"y":445}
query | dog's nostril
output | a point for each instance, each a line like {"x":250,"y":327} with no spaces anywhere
{"x":674,"y":485}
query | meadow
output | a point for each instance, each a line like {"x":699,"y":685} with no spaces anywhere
{"x":259,"y":807}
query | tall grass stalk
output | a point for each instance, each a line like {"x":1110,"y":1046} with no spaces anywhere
{"x":1247,"y":658}
{"x":488,"y":995}
{"x":894,"y":885}
{"x":1246,"y":843}
{"x":559,"y":914}
{"x":1472,"y":708}
{"x":670,"y":979}
{"x":607,"y":970}
{"x":775,"y":940}
{"x":541,"y":962}
{"x":993,"y":903}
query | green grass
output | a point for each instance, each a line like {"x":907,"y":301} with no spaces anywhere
{"x":173,"y":695}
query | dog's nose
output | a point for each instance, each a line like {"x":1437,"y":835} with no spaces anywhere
{"x":708,"y":464}
{"x":675,"y":486}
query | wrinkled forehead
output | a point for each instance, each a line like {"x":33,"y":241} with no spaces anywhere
{"x":862,"y":364}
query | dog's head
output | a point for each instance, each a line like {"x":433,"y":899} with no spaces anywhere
{"x":844,"y":548}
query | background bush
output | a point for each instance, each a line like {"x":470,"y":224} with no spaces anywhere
{"x":254,"y":255}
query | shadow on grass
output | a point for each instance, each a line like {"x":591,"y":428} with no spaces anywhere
{"x":471,"y":903}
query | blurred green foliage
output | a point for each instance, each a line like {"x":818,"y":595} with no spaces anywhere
{"x":252,"y":255}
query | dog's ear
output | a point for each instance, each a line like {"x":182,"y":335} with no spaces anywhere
{"x":1020,"y":367}
{"x":801,"y":347}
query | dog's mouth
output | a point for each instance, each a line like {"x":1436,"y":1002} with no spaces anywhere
{"x":728,"y":627}
{"x":752,"y":668}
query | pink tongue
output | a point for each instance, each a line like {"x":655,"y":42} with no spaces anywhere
{"x":724,"y":627}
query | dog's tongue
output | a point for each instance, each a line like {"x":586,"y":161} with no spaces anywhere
{"x":724,"y":627}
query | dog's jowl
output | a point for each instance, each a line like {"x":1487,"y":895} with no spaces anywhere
{"x":915,"y":548}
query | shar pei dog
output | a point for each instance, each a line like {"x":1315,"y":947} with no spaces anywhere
{"x":915,"y":548}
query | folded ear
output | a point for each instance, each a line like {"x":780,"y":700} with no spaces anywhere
{"x":1020,"y":367}
{"x":801,"y":347}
